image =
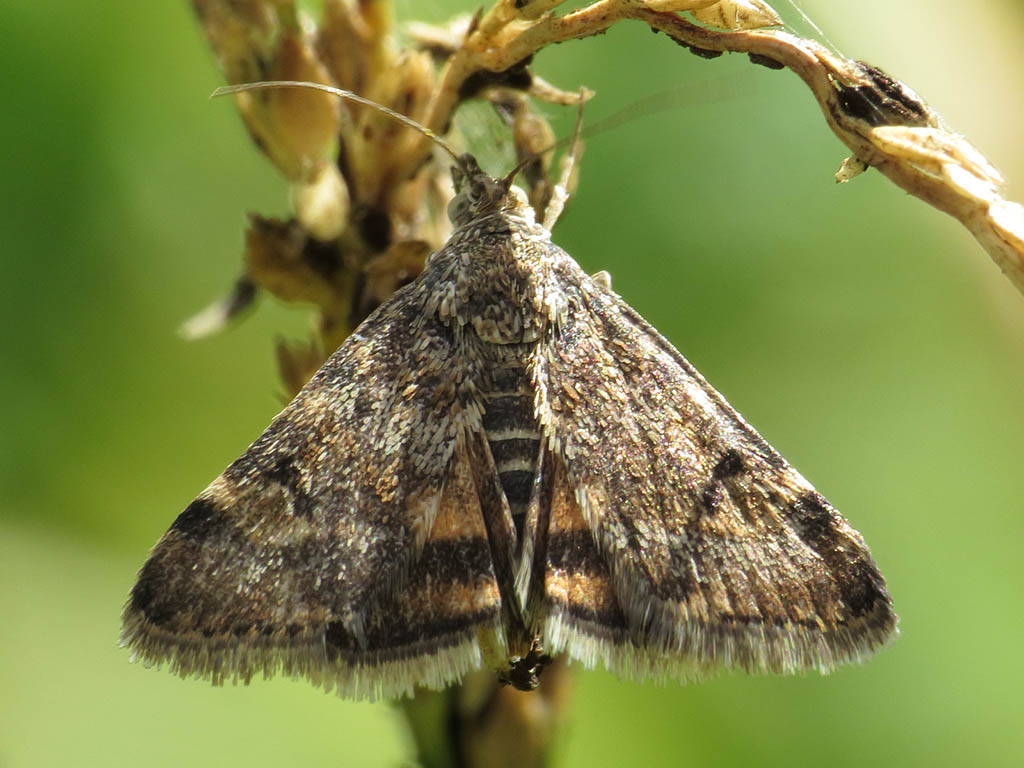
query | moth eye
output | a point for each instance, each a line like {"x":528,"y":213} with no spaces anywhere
{"x":459,"y":209}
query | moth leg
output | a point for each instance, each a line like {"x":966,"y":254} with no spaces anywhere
{"x":566,"y":184}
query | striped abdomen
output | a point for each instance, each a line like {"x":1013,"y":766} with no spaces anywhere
{"x":513,"y":434}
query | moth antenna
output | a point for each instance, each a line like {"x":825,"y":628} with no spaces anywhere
{"x":729,"y":87}
{"x":573,"y":139}
{"x":341,"y":93}
{"x":570,"y":162}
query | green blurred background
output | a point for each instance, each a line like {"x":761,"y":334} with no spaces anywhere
{"x":866,"y":336}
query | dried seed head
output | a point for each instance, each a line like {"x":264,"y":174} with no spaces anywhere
{"x":342,"y":94}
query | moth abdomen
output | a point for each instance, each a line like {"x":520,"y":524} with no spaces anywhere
{"x":513,"y":434}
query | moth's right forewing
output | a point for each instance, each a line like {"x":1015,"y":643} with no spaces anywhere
{"x":720,"y":553}
{"x":281,"y":563}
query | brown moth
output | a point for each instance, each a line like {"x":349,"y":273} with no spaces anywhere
{"x":502,"y":463}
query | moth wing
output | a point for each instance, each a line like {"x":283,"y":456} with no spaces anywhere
{"x":344,"y":545}
{"x":678,"y":539}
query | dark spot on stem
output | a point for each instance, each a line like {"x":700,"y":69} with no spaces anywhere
{"x":517,"y":76}
{"x":765,"y":61}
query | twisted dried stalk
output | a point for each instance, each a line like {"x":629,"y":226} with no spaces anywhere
{"x":370,"y":198}
{"x":910,"y":146}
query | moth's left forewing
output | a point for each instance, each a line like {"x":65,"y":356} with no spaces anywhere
{"x":347,"y":543}
{"x":719,"y":553}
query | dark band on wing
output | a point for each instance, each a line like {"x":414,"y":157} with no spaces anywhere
{"x":579,"y":585}
{"x":860,"y":585}
{"x":447,"y":595}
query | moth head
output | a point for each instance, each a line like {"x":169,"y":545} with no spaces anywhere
{"x":476,"y":193}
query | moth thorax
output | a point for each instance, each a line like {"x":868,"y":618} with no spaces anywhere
{"x":512,"y":430}
{"x":508,"y":329}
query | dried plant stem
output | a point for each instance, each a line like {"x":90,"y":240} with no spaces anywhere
{"x":926,"y":160}
{"x":929,"y":162}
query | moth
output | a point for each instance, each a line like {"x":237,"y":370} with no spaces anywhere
{"x":502,"y":463}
